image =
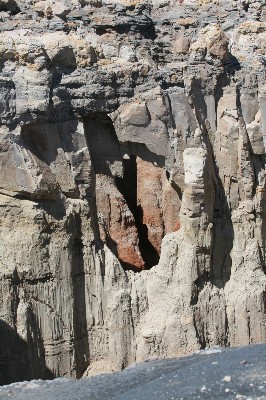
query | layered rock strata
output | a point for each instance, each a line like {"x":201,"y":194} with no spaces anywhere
{"x":132,"y":139}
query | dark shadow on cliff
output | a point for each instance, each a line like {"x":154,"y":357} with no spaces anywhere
{"x":135,"y":25}
{"x":142,"y":151}
{"x":103,"y":143}
{"x":147,"y":29}
{"x":149,"y":254}
{"x":55,"y":208}
{"x":10,"y":6}
{"x":223,"y":232}
{"x":64,"y":110}
{"x":44,"y":140}
{"x":81,"y":340}
{"x":22,"y":360}
{"x":64,"y":64}
{"x":230,"y":66}
{"x":197,"y":95}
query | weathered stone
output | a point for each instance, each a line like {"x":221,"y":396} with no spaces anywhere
{"x":132,"y":139}
{"x":158,"y":201}
{"x":181,"y":45}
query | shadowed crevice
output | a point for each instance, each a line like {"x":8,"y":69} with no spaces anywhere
{"x":128,"y":188}
{"x":22,"y":360}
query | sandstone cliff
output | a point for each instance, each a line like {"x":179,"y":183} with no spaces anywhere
{"x":132,"y":181}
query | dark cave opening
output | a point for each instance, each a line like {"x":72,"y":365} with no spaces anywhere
{"x":128,"y":188}
{"x":136,"y":203}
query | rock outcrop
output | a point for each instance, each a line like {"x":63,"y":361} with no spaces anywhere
{"x":132,"y":181}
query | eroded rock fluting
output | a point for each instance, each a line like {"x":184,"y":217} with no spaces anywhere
{"x":132,"y":139}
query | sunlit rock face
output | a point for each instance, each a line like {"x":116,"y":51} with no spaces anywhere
{"x":132,"y":182}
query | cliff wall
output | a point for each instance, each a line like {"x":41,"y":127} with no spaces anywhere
{"x":132,"y":181}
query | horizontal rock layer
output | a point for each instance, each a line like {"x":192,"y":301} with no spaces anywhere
{"x":132,"y":139}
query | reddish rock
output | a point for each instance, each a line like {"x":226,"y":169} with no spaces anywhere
{"x":177,"y":225}
{"x":117,"y":224}
{"x":158,"y":202}
{"x":134,"y":219}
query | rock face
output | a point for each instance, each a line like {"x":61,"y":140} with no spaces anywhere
{"x":132,"y":139}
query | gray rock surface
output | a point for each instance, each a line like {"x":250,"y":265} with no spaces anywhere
{"x":104,"y":105}
{"x":210,"y":374}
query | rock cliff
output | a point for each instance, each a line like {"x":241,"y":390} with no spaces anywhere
{"x":132,"y":181}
